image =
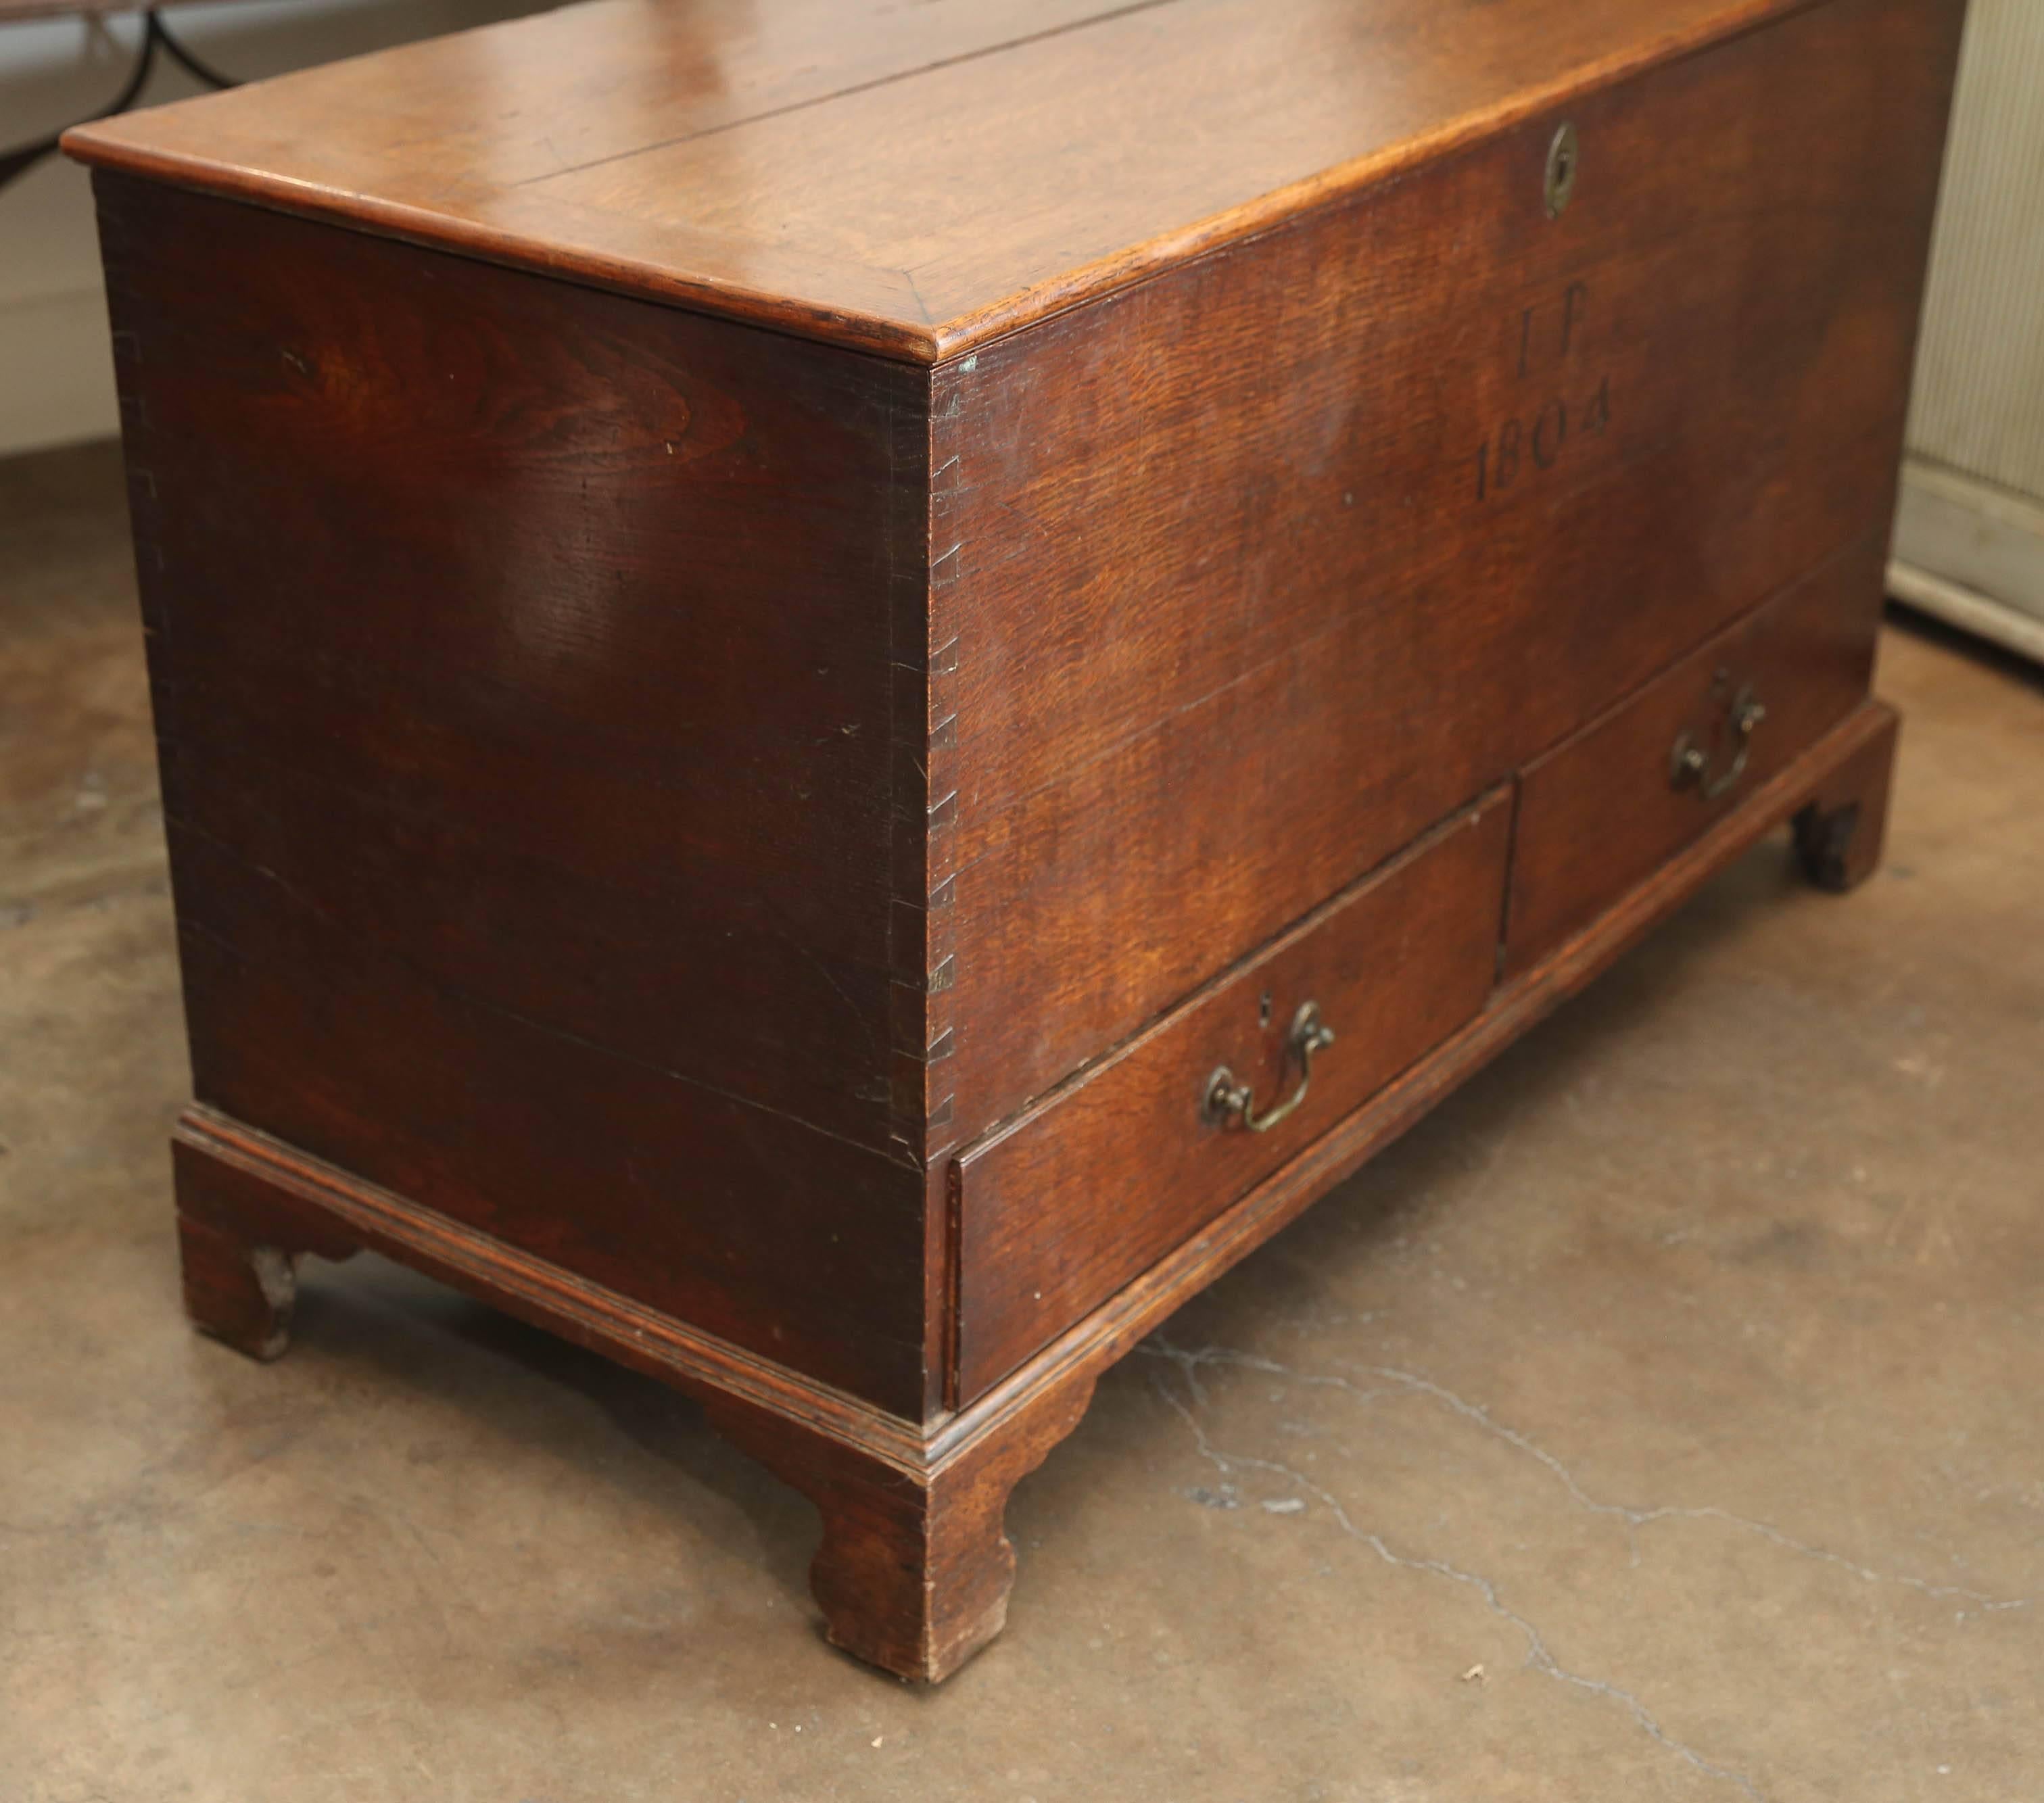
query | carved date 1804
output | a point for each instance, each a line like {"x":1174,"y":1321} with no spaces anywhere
{"x":1539,"y":434}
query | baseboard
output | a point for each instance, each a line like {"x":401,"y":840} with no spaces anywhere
{"x":1971,"y":555}
{"x":1969,"y":610}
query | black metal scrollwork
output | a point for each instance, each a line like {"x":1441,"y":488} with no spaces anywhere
{"x":156,"y":39}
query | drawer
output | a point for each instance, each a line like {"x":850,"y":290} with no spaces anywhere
{"x":1610,"y":802}
{"x":1059,"y":1210}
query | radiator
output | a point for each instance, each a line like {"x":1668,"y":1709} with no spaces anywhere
{"x":1970,"y":522}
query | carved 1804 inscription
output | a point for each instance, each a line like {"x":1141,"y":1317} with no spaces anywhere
{"x":1539,"y":434}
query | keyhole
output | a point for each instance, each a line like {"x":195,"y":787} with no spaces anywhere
{"x":1264,"y":1010}
{"x":1561,"y":168}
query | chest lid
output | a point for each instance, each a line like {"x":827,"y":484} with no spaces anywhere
{"x":910,"y":180}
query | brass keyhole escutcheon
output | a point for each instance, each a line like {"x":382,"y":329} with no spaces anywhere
{"x":1562,"y":158}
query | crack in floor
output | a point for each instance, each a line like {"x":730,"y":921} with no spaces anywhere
{"x":1392,"y":1379}
{"x":1538,"y":1655}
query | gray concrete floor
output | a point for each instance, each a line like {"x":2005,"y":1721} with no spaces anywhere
{"x":1660,"y":1419}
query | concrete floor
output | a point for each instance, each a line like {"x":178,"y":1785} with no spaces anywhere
{"x":1660,"y":1419}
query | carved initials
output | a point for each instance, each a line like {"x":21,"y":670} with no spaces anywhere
{"x":1573,"y":297}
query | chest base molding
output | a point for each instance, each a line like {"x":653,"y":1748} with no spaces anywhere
{"x":914,"y":1568}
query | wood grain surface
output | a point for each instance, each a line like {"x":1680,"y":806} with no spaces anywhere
{"x":1085,"y":1192}
{"x":525,"y":678}
{"x":730,"y":783}
{"x":913,"y":180}
{"x":1255,"y":573}
{"x":1600,"y":811}
{"x":913,"y":1569}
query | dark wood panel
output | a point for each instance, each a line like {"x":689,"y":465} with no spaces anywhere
{"x":547,"y":637}
{"x":794,"y":1245}
{"x":1084,"y":1194}
{"x":1244,"y":587}
{"x":668,"y":966}
{"x":1600,"y":811}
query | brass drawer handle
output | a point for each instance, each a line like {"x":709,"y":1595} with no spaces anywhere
{"x":1227,"y":1100}
{"x":1689,"y":763}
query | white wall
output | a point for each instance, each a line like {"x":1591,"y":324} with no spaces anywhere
{"x":57,"y":382}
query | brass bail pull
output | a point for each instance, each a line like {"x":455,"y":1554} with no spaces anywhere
{"x":1227,"y":1101}
{"x":1689,"y":762}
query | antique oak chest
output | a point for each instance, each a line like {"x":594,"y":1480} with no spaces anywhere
{"x":847,"y":692}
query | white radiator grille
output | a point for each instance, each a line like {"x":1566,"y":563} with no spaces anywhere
{"x":1978,"y":406}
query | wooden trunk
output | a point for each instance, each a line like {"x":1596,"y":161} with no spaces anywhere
{"x":844,"y":697}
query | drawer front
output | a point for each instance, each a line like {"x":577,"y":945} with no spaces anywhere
{"x":1086,"y":1192}
{"x":1603,"y":809}
{"x":1252,"y":572}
